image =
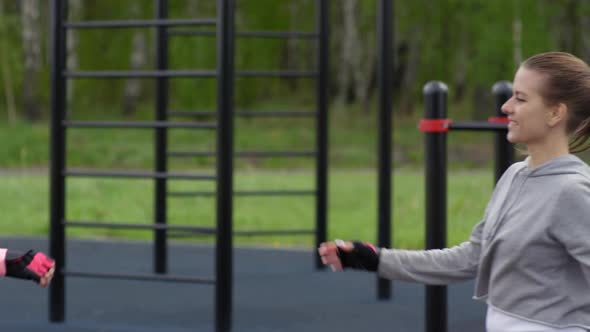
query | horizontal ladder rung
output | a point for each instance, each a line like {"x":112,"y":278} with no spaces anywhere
{"x":137,"y":226}
{"x":138,"y":124}
{"x":243,"y":154}
{"x":184,"y":73}
{"x":246,"y":113}
{"x":275,"y":73}
{"x":245,"y":193}
{"x":137,"y":23}
{"x":477,"y":126}
{"x":139,"y":73}
{"x":247,"y":34}
{"x":285,"y":232}
{"x":139,"y":277}
{"x":193,"y":230}
{"x":274,"y":232}
{"x":133,"y":174}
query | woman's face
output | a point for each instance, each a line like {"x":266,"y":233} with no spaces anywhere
{"x":527,"y":113}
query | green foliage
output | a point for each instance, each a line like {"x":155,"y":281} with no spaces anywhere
{"x":470,"y":41}
{"x":10,"y":54}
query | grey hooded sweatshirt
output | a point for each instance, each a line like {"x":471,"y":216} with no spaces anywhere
{"x":530,"y":254}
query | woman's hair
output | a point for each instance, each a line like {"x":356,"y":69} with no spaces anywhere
{"x":568,"y":82}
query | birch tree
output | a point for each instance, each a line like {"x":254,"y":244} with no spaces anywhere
{"x":32,"y":58}
{"x":517,"y":35}
{"x":292,"y":53}
{"x":75,"y":8}
{"x":573,"y":25}
{"x":357,"y":60}
{"x":138,"y":59}
{"x":407,"y":70}
{"x":6,"y":72}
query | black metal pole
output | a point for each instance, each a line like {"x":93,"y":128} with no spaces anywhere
{"x":435,"y":102}
{"x":385,"y":83}
{"x":225,"y":136}
{"x":322,"y":127}
{"x":58,"y":158}
{"x":503,"y":149}
{"x":161,"y":142}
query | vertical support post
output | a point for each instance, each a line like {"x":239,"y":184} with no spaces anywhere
{"x":322,"y":83}
{"x":58,"y":158}
{"x":435,"y":102}
{"x":161,"y":142}
{"x":385,"y":84}
{"x":225,"y":136}
{"x":503,"y":149}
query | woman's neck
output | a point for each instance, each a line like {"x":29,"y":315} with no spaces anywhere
{"x":543,"y":153}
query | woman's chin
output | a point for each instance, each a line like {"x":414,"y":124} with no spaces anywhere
{"x":512,"y":139}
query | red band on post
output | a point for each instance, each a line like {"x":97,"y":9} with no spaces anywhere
{"x":498,"y":119}
{"x":434,"y":125}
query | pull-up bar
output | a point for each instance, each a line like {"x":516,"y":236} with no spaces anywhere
{"x":436,"y":126}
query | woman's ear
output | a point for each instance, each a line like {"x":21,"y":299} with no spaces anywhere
{"x":557,"y":115}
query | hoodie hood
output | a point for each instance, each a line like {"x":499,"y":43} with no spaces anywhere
{"x":566,"y":164}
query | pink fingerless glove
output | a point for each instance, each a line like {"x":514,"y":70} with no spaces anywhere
{"x":31,"y":265}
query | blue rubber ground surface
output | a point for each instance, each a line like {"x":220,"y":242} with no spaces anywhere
{"x":274,"y":290}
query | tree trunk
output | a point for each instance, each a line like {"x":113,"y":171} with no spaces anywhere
{"x":409,"y":74}
{"x":132,"y":92}
{"x":460,"y":62}
{"x":75,"y":8}
{"x":6,"y":74}
{"x":357,"y":59}
{"x":585,"y":40}
{"x":192,"y":8}
{"x":446,"y":19}
{"x":517,"y":35}
{"x":364,"y":68}
{"x":32,"y":58}
{"x":292,"y":50}
{"x":345,"y":92}
{"x":460,"y":74}
{"x":572,"y":20}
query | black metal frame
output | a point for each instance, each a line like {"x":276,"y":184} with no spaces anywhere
{"x":385,"y":41}
{"x":57,"y":163}
{"x":435,"y":108}
{"x":59,"y":124}
{"x":161,"y":141}
{"x":320,"y":114}
{"x":249,"y":34}
{"x":225,"y":138}
{"x":246,"y":113}
{"x":322,"y":83}
{"x":225,"y":113}
{"x":435,"y":99}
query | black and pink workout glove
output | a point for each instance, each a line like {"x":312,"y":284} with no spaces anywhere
{"x":31,"y":265}
{"x":364,"y":256}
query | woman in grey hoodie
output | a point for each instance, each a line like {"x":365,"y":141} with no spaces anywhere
{"x":530,"y":253}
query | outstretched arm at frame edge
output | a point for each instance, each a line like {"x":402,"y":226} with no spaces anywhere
{"x":31,"y":265}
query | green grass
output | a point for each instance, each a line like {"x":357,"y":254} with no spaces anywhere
{"x":352,"y":160}
{"x":352,"y":143}
{"x":352,"y":206}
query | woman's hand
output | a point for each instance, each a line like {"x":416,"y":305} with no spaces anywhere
{"x":45,"y":280}
{"x":345,"y":254}
{"x":32,"y":265}
{"x":328,"y":251}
